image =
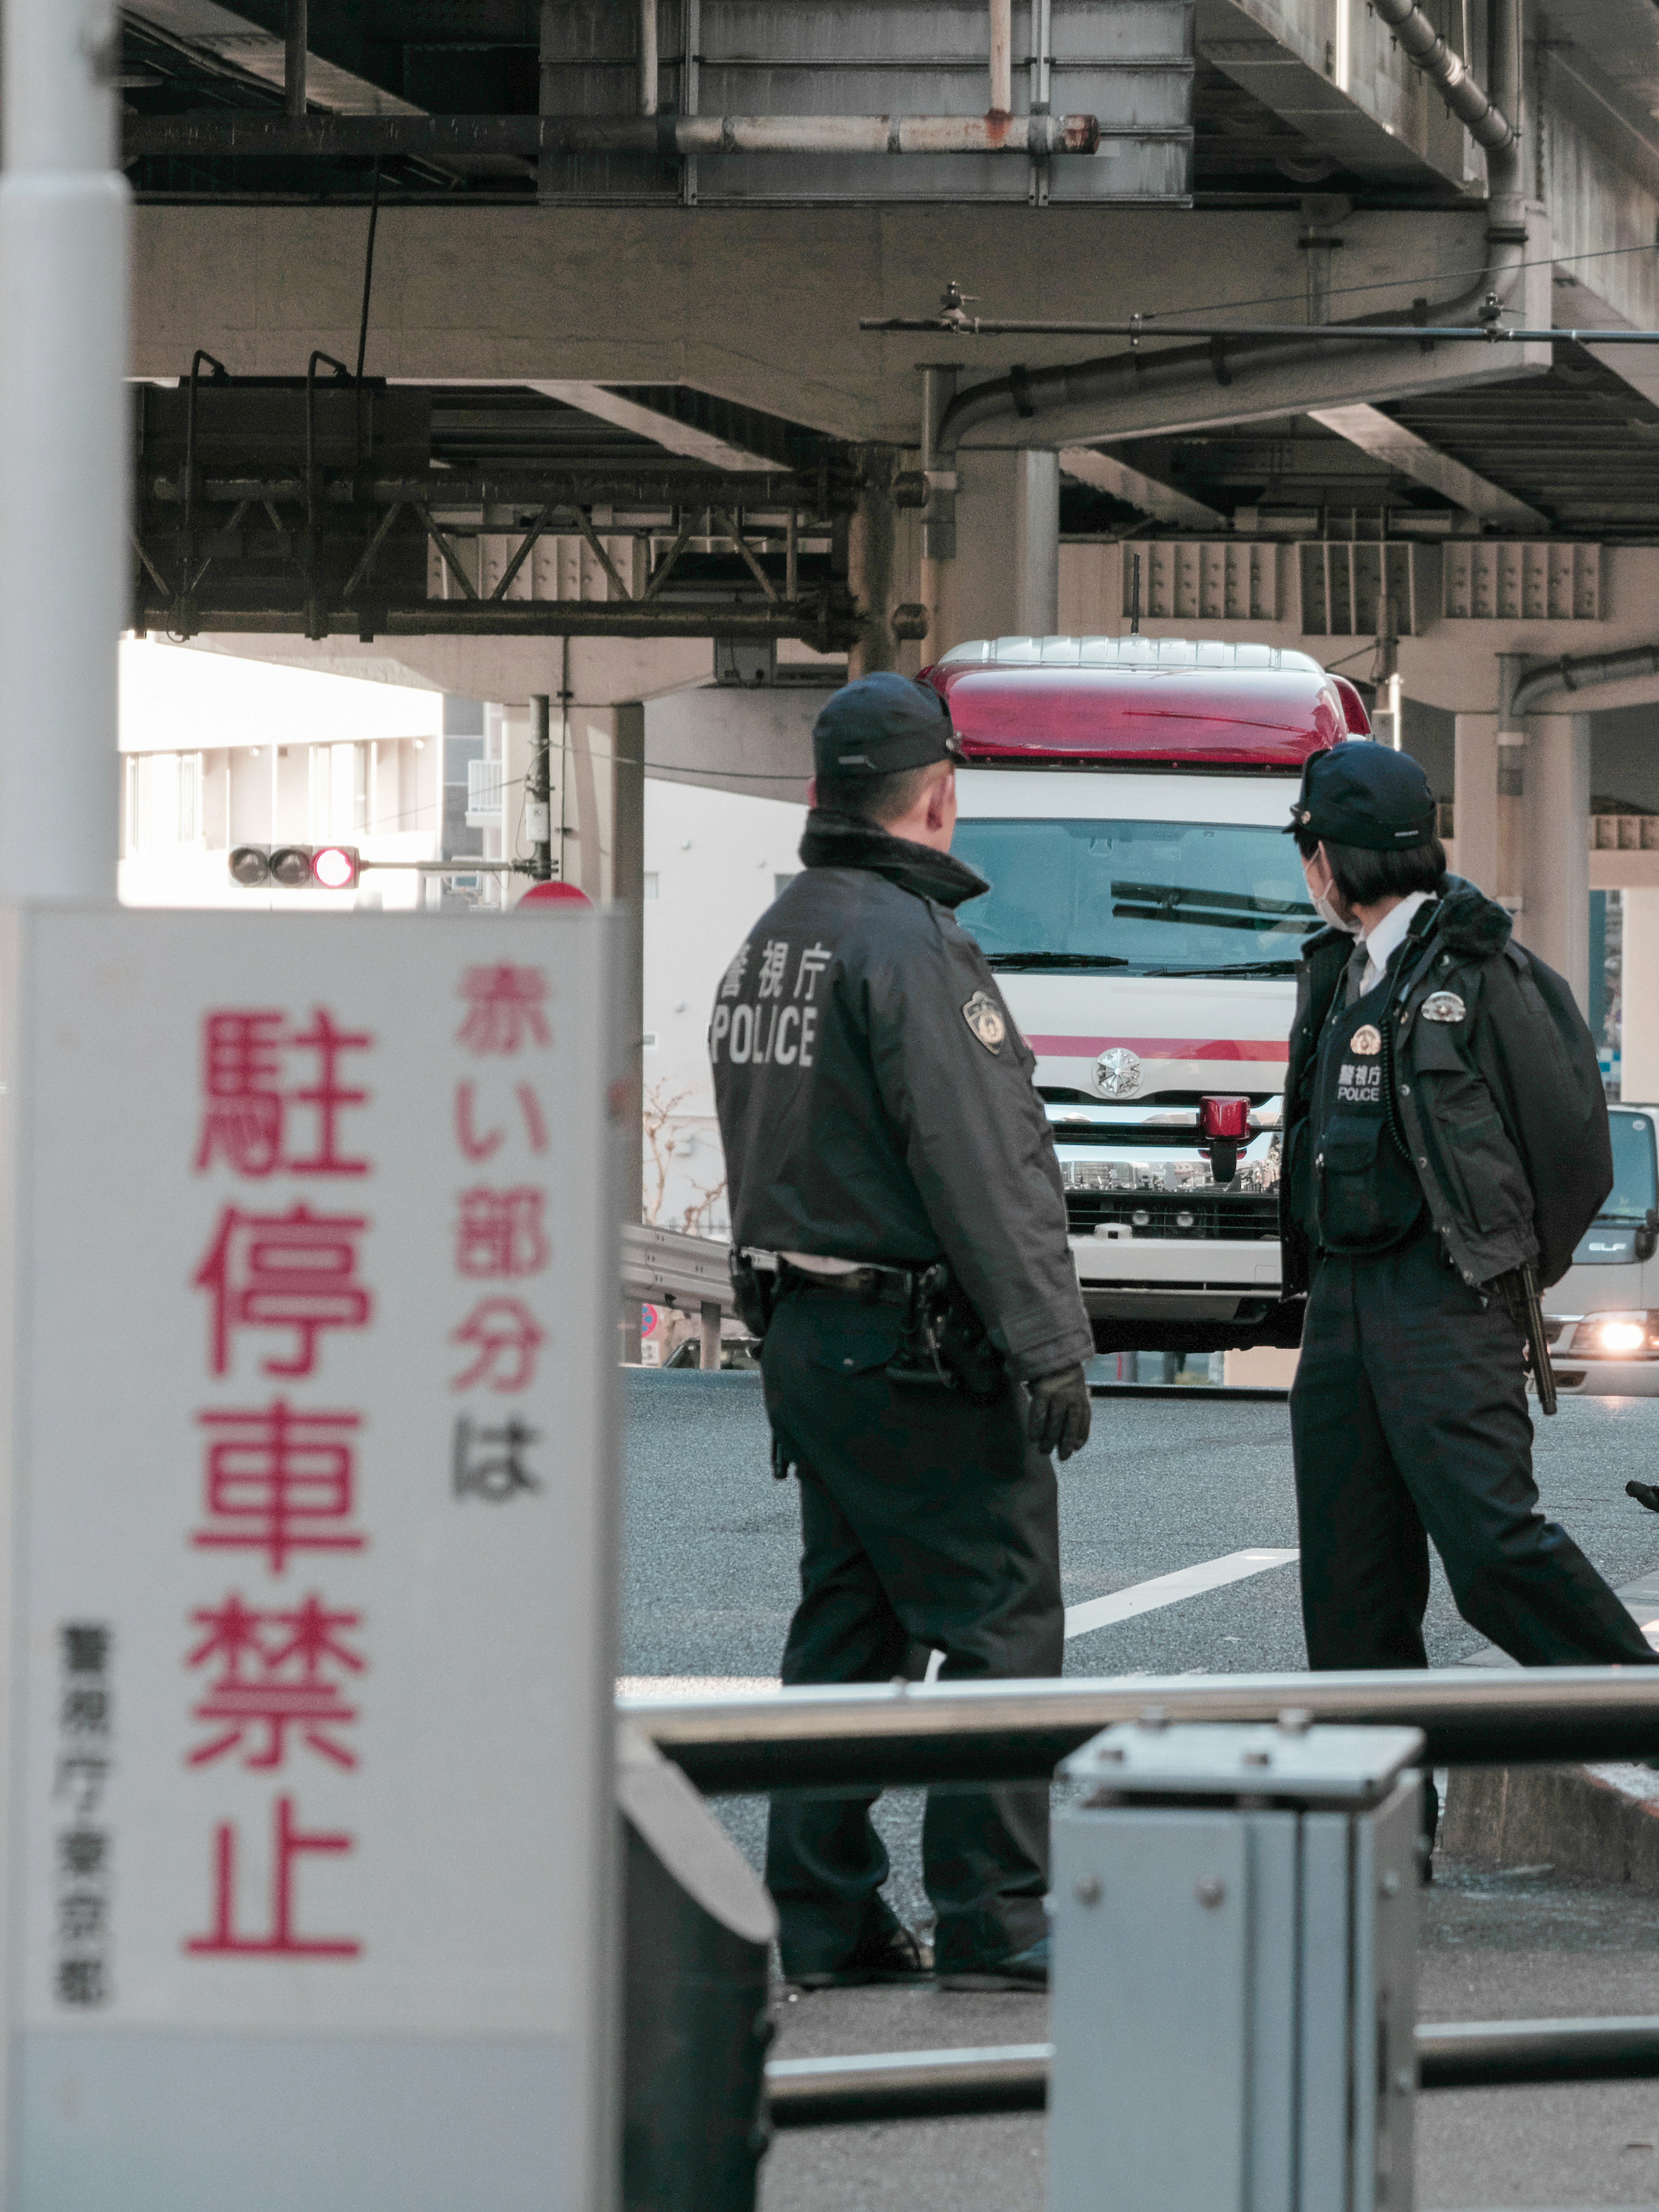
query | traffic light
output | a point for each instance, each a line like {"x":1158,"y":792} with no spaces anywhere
{"x":296,"y":868}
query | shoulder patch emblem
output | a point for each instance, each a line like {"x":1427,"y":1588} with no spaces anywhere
{"x":1443,"y":1006}
{"x":1365,"y":1041}
{"x":987,"y":1020}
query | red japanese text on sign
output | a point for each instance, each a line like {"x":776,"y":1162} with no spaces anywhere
{"x":504,"y":1009}
{"x":279,"y":1480}
{"x":249,"y":1112}
{"x":289,"y":1844}
{"x":276,"y":1673}
{"x":479,"y":1145}
{"x":296,"y":1270}
{"x":505,"y":1337}
{"x":498,"y":1232}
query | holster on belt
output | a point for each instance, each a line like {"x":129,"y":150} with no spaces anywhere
{"x":945,"y":1342}
{"x":756,"y":1291}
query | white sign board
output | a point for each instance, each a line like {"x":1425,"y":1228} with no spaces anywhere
{"x":310,"y":1505}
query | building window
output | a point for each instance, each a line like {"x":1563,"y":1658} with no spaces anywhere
{"x":339,"y":791}
{"x":483,"y":795}
{"x":164,"y":801}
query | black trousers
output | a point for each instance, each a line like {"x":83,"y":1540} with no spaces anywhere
{"x":1409,"y":1425}
{"x":925,"y":1523}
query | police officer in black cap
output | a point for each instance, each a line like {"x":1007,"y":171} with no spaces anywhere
{"x":1444,"y":1131}
{"x":924,"y":1331}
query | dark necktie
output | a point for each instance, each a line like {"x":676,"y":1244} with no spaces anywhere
{"x":1359,"y":961}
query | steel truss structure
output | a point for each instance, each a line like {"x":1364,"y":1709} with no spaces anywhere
{"x":316,"y":505}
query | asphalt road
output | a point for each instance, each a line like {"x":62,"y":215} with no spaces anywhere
{"x":1164,"y":1485}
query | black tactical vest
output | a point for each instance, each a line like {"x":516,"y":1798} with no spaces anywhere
{"x":1365,"y":1195}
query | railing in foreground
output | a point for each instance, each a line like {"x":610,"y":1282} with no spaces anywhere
{"x":905,"y":1734}
{"x":931,"y":2085}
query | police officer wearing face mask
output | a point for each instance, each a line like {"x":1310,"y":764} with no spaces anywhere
{"x":1445,"y":1128}
{"x":924,"y":1333}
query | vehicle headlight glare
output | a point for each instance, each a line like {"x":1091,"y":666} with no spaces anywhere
{"x":1620,"y":1336}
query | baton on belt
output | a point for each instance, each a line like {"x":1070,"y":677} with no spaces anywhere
{"x":1520,"y":1288}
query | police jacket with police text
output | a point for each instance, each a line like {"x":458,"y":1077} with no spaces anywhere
{"x":875,"y":1098}
{"x":1496,"y":1094}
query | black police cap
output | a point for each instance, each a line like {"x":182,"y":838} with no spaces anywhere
{"x":1364,"y":793}
{"x":879,"y":724}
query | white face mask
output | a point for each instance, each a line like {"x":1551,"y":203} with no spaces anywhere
{"x":1328,"y":914}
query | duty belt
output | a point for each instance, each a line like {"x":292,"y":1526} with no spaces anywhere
{"x":872,"y":1286}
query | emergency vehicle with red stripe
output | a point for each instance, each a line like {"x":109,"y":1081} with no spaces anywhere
{"x":1125,"y":797}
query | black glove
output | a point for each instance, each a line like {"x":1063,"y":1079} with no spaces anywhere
{"x":1060,"y":1412}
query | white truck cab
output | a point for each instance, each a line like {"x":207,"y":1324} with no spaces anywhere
{"x":1602,"y":1317}
{"x":1126,"y":799}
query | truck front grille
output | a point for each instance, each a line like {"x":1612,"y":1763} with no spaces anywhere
{"x":1229,"y":1220}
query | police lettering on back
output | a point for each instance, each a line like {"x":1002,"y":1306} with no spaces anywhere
{"x":774,"y":1022}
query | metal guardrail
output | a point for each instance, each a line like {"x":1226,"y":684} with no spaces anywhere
{"x":931,"y":2085}
{"x":664,"y":1269}
{"x":879,"y":1736}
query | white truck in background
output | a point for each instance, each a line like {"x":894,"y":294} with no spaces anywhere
{"x":1126,"y":799}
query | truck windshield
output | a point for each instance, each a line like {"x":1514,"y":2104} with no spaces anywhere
{"x":1633,"y":1190}
{"x":1152,"y":897}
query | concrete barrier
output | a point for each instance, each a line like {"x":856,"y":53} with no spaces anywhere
{"x":1602,"y":1822}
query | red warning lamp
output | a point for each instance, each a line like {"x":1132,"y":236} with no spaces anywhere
{"x":1224,"y":1124}
{"x":335,"y":867}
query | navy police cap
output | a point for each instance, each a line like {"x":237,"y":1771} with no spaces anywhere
{"x":1364,"y":793}
{"x":880,"y":725}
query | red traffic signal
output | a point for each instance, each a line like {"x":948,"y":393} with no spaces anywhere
{"x":296,"y":868}
{"x":336,"y":867}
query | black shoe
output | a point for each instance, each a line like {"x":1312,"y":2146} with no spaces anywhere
{"x":1019,"y":1969}
{"x":891,"y":1954}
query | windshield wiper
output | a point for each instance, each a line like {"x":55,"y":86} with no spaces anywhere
{"x":1241,"y":967}
{"x":1054,"y":960}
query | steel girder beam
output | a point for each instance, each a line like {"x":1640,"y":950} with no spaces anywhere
{"x":824,"y":623}
{"x":1103,"y":471}
{"x":231,"y":36}
{"x":1341,"y":84}
{"x":1408,"y":455}
{"x":597,"y":399}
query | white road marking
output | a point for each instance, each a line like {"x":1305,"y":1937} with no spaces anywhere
{"x":1169,"y":1590}
{"x":692,"y":1685}
{"x":1080,"y":1620}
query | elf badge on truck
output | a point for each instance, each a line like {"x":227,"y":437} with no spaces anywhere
{"x":1126,"y":800}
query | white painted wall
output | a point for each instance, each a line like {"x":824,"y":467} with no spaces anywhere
{"x":217,"y":751}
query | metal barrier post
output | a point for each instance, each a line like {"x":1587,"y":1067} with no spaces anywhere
{"x":695,"y":2026}
{"x":1234,"y":1915}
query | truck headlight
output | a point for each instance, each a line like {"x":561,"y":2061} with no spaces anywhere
{"x":1618,"y":1335}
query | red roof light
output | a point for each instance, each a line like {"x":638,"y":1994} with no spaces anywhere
{"x":1216,"y":718}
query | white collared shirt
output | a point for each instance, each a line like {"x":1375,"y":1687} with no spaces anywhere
{"x":1384,"y":941}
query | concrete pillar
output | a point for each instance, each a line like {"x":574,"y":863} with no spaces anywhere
{"x":1554,"y":918}
{"x":628,"y":890}
{"x":1005,"y":579}
{"x":64,"y":439}
{"x":1475,"y":797}
{"x":1638,"y":999}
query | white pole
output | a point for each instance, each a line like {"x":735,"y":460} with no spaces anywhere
{"x":65,"y":585}
{"x":1002,"y":56}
